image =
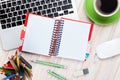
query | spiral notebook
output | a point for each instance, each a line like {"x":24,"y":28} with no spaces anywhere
{"x":56,"y":37}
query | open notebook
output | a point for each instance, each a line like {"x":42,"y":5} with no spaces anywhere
{"x":57,"y":37}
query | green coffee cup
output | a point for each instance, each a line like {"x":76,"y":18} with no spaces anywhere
{"x":101,"y":13}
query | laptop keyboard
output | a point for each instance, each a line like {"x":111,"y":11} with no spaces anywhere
{"x":12,"y":12}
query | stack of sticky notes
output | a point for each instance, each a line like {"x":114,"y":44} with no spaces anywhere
{"x":17,"y":68}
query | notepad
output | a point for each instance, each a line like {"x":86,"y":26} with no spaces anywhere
{"x":63,"y":37}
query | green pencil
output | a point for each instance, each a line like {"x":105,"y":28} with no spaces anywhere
{"x":56,"y":75}
{"x":48,"y":64}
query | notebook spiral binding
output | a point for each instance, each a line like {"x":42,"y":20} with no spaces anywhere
{"x":56,"y":37}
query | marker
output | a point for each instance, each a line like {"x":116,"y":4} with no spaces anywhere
{"x":49,"y":64}
{"x":56,"y":75}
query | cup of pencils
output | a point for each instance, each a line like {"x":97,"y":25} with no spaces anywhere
{"x":17,"y":68}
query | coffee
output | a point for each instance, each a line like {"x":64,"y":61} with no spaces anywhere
{"x":106,"y":7}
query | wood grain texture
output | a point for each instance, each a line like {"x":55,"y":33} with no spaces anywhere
{"x":108,"y":69}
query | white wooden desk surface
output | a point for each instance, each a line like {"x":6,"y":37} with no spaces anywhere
{"x":108,"y":69}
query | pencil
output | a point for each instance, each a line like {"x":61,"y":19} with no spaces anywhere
{"x":48,"y":64}
{"x":8,"y":77}
{"x":56,"y":75}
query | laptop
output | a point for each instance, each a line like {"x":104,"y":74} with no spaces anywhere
{"x":12,"y":16}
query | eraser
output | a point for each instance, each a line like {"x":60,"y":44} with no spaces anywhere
{"x":82,"y":72}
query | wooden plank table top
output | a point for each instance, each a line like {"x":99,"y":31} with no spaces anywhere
{"x":107,"y":69}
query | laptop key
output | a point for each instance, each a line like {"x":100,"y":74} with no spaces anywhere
{"x":58,"y":8}
{"x":23,"y":1}
{"x":24,"y":11}
{"x":65,"y":2}
{"x":19,"y":2}
{"x":20,"y":12}
{"x":37,"y":3}
{"x":27,"y":5}
{"x":53,"y":9}
{"x":48,"y":11}
{"x":50,"y":15}
{"x":13,"y":24}
{"x":49,"y":5}
{"x":10,"y":15}
{"x":9,"y":20}
{"x":40,"y":7}
{"x":61,"y":14}
{"x":23,"y":7}
{"x":17,"y":7}
{"x":0,"y":7}
{"x":3,"y":26}
{"x":35,"y":9}
{"x":69,"y":1}
{"x":3,"y":16}
{"x":71,"y":12}
{"x":14,"y":13}
{"x":23,"y":16}
{"x":42,"y":2}
{"x":44,"y":6}
{"x":60,"y":3}
{"x":43,"y":12}
{"x":13,"y":3}
{"x":55,"y":4}
{"x":2,"y":11}
{"x":19,"y":23}
{"x":12,"y":9}
{"x":47,"y":1}
{"x":32,"y":4}
{"x":3,"y":21}
{"x":7,"y":10}
{"x":66,"y":12}
{"x":67,"y":7}
{"x":39,"y":13}
{"x":18,"y":17}
{"x":28,"y":0}
{"x":56,"y":14}
{"x":9,"y":4}
{"x":8,"y":25}
{"x":13,"y":19}
{"x":4,"y":5}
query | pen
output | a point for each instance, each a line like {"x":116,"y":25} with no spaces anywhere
{"x":48,"y":64}
{"x":56,"y":75}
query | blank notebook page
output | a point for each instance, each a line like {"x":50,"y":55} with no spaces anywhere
{"x":38,"y":34}
{"x":74,"y":40}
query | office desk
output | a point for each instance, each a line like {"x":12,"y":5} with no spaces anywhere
{"x":108,"y":69}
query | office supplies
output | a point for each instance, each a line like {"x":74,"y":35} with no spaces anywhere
{"x":12,"y":16}
{"x":8,"y":77}
{"x":48,"y":64}
{"x":63,"y":38}
{"x":108,"y":49}
{"x":56,"y":75}
{"x":81,"y":73}
{"x":24,"y":61}
{"x":92,"y":14}
{"x":15,"y":70}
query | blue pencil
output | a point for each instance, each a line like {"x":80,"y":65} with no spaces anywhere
{"x":8,"y":77}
